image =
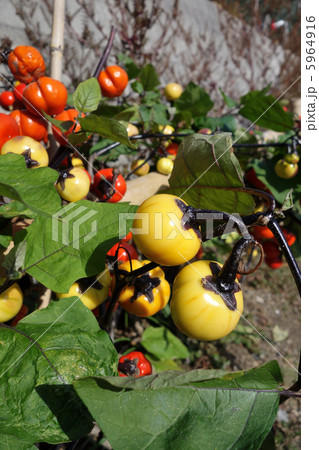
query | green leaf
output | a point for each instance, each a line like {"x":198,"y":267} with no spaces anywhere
{"x":161,"y":343}
{"x":161,"y":366}
{"x":110,"y":111}
{"x":206,"y":174}
{"x":265,"y":111}
{"x":110,"y":128}
{"x":78,"y":138}
{"x":229,"y":102}
{"x":130,"y":66}
{"x":87,"y":95}
{"x":14,"y":261}
{"x":128,"y":114}
{"x":137,"y":87}
{"x":225,"y":123}
{"x":16,"y":209}
{"x":34,"y":188}
{"x":231,"y":411}
{"x":38,"y":403}
{"x":5,"y":234}
{"x":73,"y":243}
{"x":194,"y":99}
{"x":148,"y":77}
{"x":62,"y":125}
{"x":279,"y":187}
{"x":9,"y":442}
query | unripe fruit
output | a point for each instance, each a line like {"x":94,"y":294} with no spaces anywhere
{"x":173,"y":91}
{"x":285,"y":169}
{"x":132,"y":130}
{"x":143,"y":170}
{"x":10,"y":302}
{"x":160,"y":234}
{"x":75,"y":187}
{"x":164,"y":166}
{"x":35,"y":154}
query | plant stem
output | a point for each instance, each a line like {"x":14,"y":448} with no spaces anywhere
{"x":106,"y":53}
{"x":283,"y":245}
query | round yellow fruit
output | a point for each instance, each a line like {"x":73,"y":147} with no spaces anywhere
{"x":10,"y":302}
{"x":173,"y":91}
{"x":34,"y":153}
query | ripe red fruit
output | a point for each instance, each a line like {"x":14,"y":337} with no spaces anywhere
{"x":18,"y":92}
{"x":124,"y":253}
{"x":289,"y":236}
{"x":45,"y":94}
{"x":274,"y":263}
{"x":30,"y":125}
{"x":271,"y":249}
{"x":8,"y":128}
{"x":252,"y":179}
{"x":128,"y":237}
{"x":6,"y":100}
{"x":109,"y":185}
{"x":134,"y":364}
{"x":260,"y":233}
{"x":113,"y":80}
{"x":67,"y":115}
{"x":26,"y":63}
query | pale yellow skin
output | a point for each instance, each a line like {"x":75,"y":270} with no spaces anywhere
{"x":141,"y":307}
{"x":10,"y":302}
{"x":142,"y":170}
{"x":164,"y":240}
{"x":75,"y":188}
{"x":166,"y":129}
{"x":20,"y":144}
{"x":165,"y":166}
{"x":77,"y":162}
{"x":173,"y":91}
{"x":92,"y":297}
{"x":132,"y":130}
{"x":199,"y":313}
{"x":285,"y":169}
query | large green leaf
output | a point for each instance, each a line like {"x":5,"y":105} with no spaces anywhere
{"x":224,"y":123}
{"x":38,"y":402}
{"x":265,"y":111}
{"x":16,"y":209}
{"x":207,"y":174}
{"x":32,"y":187}
{"x":192,"y":410}
{"x":279,"y":187}
{"x":73,"y":243}
{"x":8,"y":442}
{"x":148,"y":77}
{"x":160,"y":342}
{"x":194,"y":99}
{"x":106,"y":127}
{"x":87,"y":95}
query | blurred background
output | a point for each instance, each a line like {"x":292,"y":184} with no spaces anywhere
{"x":233,"y":45}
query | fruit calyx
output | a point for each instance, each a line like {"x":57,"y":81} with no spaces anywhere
{"x":188,"y":219}
{"x":65,"y":174}
{"x":89,"y":282}
{"x":28,"y":160}
{"x":107,"y":187}
{"x":222,"y":281}
{"x":144,"y":285}
{"x":129,"y":367}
